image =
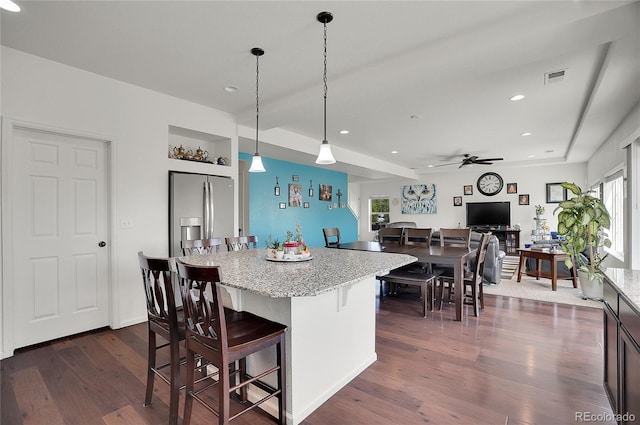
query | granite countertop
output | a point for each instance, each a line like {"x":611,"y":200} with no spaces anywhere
{"x":628,"y":283}
{"x":328,"y":269}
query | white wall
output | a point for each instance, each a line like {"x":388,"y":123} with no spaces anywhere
{"x":136,"y":120}
{"x":530,"y":180}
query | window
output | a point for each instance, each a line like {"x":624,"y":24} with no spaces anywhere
{"x":613,"y":197}
{"x":378,"y":212}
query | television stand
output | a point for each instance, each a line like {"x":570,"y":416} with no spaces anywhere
{"x":509,"y":239}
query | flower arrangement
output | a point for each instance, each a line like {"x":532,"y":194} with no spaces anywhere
{"x":539,"y":210}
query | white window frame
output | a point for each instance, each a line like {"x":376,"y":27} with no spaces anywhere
{"x":613,"y":195}
{"x":370,"y":212}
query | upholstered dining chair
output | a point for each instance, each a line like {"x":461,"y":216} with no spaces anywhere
{"x":167,"y":321}
{"x":240,"y":243}
{"x":225,"y":338}
{"x":201,"y":246}
{"x":413,"y":237}
{"x":329,"y":234}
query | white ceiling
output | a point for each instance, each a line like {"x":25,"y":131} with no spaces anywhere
{"x":452,"y":63}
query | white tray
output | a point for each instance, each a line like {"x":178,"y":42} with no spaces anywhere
{"x":290,"y":260}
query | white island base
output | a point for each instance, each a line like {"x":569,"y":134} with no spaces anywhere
{"x":330,"y":340}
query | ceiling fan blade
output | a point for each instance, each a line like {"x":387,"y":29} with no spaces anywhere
{"x":444,"y":165}
{"x":489,"y":159}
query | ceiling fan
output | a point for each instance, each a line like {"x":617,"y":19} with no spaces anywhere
{"x":472,"y":159}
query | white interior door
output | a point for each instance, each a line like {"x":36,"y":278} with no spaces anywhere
{"x":60,"y":259}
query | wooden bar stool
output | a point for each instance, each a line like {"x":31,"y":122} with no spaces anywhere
{"x":166,"y":320}
{"x":223,"y":337}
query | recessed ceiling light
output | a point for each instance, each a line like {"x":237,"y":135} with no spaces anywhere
{"x":531,"y":156}
{"x":231,"y":89}
{"x":526,"y":134}
{"x":430,"y":166}
{"x":344,"y":131}
{"x":394,"y":151}
{"x":415,"y":116}
{"x":516,"y":97}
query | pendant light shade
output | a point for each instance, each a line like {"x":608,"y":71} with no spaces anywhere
{"x":9,"y":5}
{"x":256,"y":162}
{"x":325,"y":156}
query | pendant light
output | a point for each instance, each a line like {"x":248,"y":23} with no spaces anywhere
{"x":10,"y":6}
{"x":325,"y":156}
{"x":256,"y":162}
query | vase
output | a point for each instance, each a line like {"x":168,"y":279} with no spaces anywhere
{"x":591,"y":288}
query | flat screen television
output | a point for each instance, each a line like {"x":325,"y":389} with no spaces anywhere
{"x":488,"y":214}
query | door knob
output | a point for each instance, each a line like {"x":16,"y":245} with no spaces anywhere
{"x":102,"y":244}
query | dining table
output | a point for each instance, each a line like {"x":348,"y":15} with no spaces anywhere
{"x":456,"y":257}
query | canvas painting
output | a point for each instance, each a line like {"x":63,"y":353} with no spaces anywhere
{"x":295,"y":195}
{"x":419,"y":199}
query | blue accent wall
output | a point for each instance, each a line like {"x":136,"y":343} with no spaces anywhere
{"x":266,"y":218}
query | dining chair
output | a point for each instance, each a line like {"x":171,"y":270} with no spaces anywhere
{"x":241,"y":243}
{"x":473,"y":280}
{"x":166,"y":320}
{"x":224,"y":338}
{"x":452,"y":237}
{"x":330,"y":233}
{"x":201,"y":246}
{"x":390,"y":235}
{"x":413,"y":237}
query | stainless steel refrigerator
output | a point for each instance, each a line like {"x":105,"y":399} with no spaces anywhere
{"x":200,"y":207}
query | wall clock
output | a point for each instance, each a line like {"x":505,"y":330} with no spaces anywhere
{"x":490,"y":184}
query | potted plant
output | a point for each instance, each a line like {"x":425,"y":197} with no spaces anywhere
{"x":581,"y":221}
{"x":272,"y":247}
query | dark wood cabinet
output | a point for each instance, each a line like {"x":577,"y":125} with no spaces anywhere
{"x":621,"y":354}
{"x":509,"y":239}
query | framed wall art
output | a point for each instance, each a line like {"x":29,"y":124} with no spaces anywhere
{"x":325,"y":193}
{"x":512,"y":187}
{"x":457,"y":201}
{"x":419,"y":199}
{"x":295,"y":195}
{"x":523,"y":199}
{"x":556,"y":193}
{"x":468,"y":189}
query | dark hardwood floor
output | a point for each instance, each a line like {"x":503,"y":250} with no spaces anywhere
{"x":520,"y":362}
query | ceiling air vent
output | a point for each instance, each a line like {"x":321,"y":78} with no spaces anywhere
{"x":555,"y":76}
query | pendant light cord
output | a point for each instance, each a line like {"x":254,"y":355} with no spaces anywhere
{"x":257,"y":99}
{"x":324,"y":79}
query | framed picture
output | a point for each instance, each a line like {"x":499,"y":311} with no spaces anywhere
{"x":512,"y":187}
{"x":295,"y":178}
{"x":556,"y":193}
{"x":325,"y":193}
{"x":457,"y":201}
{"x":306,"y":205}
{"x":282,"y":205}
{"x":523,"y":199}
{"x":468,"y":189}
{"x":295,"y":195}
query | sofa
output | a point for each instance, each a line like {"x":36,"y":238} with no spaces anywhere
{"x":493,"y":262}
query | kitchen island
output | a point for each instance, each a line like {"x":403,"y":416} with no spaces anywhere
{"x":328,"y":304}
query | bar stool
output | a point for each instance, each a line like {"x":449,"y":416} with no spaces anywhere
{"x":166,"y":320}
{"x":223,"y":337}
